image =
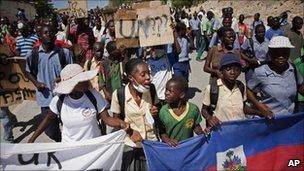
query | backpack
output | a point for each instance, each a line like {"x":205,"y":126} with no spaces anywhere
{"x":92,"y":99}
{"x":214,"y":93}
{"x":33,"y":64}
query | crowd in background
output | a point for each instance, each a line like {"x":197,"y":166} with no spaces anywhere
{"x":81,"y":74}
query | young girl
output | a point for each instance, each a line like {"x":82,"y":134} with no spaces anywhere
{"x":137,"y":111}
{"x":77,"y":110}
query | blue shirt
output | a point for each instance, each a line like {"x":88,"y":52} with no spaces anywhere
{"x":278,"y":92}
{"x":24,"y":45}
{"x":184,"y":44}
{"x":271,"y":33}
{"x":260,"y":49}
{"x":49,"y":69}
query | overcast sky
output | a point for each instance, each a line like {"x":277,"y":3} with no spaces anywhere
{"x":91,"y":3}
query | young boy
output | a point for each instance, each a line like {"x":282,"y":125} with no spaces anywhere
{"x":230,"y":94}
{"x":179,"y":117}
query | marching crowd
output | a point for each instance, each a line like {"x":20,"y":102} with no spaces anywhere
{"x":84,"y":81}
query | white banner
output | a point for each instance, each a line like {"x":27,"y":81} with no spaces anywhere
{"x":102,"y":153}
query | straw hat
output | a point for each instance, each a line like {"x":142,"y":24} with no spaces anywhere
{"x":70,"y":76}
{"x":280,"y":42}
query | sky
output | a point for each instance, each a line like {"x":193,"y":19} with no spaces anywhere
{"x":91,"y":3}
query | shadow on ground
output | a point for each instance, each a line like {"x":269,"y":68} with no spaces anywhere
{"x":192,"y":91}
{"x":33,"y":123}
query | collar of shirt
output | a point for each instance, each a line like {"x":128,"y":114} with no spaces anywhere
{"x":269,"y":71}
{"x":56,"y":49}
{"x":129,"y":97}
{"x":220,"y":83}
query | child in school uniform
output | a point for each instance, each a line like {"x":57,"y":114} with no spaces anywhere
{"x":179,"y":117}
{"x":230,"y":102}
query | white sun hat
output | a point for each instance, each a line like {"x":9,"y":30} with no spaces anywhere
{"x":280,"y":42}
{"x":70,"y":76}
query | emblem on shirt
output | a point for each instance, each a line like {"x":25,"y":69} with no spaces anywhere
{"x":233,"y":159}
{"x":189,"y":123}
{"x":87,"y":112}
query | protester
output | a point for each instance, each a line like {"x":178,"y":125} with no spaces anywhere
{"x":179,"y":117}
{"x":43,"y":66}
{"x":98,"y":30}
{"x":160,"y":70}
{"x":244,"y":31}
{"x":224,"y":99}
{"x":256,"y":21}
{"x":256,"y":48}
{"x":277,"y":82}
{"x":194,"y":26}
{"x":275,"y":29}
{"x":136,"y":108}
{"x":182,"y":48}
{"x":77,"y":110}
{"x":296,"y":37}
{"x":85,"y":37}
{"x":269,"y":22}
{"x":108,"y":36}
{"x":299,"y":63}
{"x":206,"y":34}
{"x":25,"y":42}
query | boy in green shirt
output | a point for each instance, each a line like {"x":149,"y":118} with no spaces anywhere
{"x":179,"y":117}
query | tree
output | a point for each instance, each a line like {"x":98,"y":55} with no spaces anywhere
{"x":43,"y":7}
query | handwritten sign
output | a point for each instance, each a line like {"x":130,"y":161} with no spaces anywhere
{"x":78,"y":8}
{"x":154,"y":26}
{"x":14,"y":83}
{"x":126,"y":28}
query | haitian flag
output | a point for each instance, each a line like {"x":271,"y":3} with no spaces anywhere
{"x":254,"y":144}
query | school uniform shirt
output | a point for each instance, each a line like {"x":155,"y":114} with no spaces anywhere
{"x":135,"y":115}
{"x":185,"y":49}
{"x":272,"y":33}
{"x":180,"y":127}
{"x":277,"y":91}
{"x":160,"y":74}
{"x":194,"y":24}
{"x":260,"y":49}
{"x":49,"y":69}
{"x":230,"y":103}
{"x":79,"y":121}
{"x":25,"y":44}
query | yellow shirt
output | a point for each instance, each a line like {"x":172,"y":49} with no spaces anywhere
{"x":135,"y":115}
{"x":230,"y":103}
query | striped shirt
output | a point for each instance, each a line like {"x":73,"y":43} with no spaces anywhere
{"x":25,"y":45}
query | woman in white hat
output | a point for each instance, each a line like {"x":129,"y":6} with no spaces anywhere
{"x":77,"y":105}
{"x":277,"y":81}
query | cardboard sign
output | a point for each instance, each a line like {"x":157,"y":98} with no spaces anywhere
{"x":78,"y":8}
{"x":154,"y":26}
{"x":15,"y":86}
{"x":126,"y":28}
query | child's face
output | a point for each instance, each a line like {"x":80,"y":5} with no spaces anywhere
{"x":231,"y":72}
{"x":97,"y":51}
{"x":172,"y":93}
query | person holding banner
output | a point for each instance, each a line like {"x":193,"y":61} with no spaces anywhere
{"x":137,"y":108}
{"x":277,"y":81}
{"x":78,"y":106}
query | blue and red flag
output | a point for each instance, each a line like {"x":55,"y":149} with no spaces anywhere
{"x":255,"y":144}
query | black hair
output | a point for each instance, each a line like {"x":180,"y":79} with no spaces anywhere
{"x":221,"y":31}
{"x":296,"y":18}
{"x":111,"y":46}
{"x":258,"y":14}
{"x":107,"y":26}
{"x":258,"y":26}
{"x":180,"y":26}
{"x":181,"y":83}
{"x":131,"y":65}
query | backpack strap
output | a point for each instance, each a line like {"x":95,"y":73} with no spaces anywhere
{"x":121,"y":101}
{"x":33,"y":64}
{"x":62,"y":58}
{"x":92,"y":99}
{"x":214,"y":94}
{"x":241,"y":86}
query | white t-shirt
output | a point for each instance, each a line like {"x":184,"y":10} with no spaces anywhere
{"x":78,"y":117}
{"x":160,"y":74}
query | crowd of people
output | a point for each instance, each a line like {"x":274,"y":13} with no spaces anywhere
{"x":84,"y":81}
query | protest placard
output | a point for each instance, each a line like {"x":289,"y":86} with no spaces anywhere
{"x":154,"y":26}
{"x":126,"y":28}
{"x":15,"y":86}
{"x":78,"y":8}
